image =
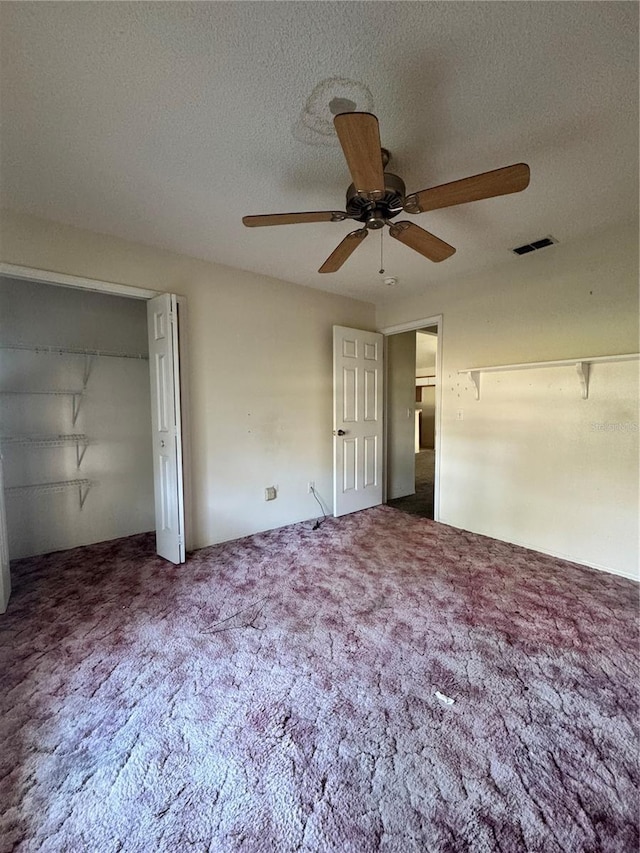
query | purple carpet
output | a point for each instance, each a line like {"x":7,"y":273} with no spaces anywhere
{"x":291,"y":691}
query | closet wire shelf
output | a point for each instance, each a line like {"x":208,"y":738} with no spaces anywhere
{"x":76,"y":398}
{"x":83,"y":487}
{"x":53,"y":350}
{"x":89,"y":356}
{"x":80,"y":441}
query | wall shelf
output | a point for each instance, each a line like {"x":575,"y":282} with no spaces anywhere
{"x":83,"y":487}
{"x":80,"y":441}
{"x":88,"y":354}
{"x":581,"y":366}
{"x":52,"y":350}
{"x":75,"y":395}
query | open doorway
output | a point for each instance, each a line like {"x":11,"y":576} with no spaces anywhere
{"x":412,"y":417}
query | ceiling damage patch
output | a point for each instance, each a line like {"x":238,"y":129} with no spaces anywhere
{"x":330,"y":98}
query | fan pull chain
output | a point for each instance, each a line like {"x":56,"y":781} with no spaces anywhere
{"x":381,"y":270}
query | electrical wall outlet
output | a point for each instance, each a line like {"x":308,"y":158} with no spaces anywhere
{"x":310,"y":487}
{"x":270,"y":493}
{"x":460,"y":415}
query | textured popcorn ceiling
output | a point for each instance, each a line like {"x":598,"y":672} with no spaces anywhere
{"x":164,"y":123}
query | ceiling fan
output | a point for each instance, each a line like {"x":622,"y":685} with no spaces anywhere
{"x":375,"y":197}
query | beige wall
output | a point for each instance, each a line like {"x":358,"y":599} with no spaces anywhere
{"x":259,"y":371}
{"x":531,"y":462}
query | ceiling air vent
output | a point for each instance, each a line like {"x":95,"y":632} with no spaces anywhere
{"x":536,"y":244}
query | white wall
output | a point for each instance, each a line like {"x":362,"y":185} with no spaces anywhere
{"x":114,"y":414}
{"x":529,"y":463}
{"x":401,"y":396}
{"x":260,"y":368}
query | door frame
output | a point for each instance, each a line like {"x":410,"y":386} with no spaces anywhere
{"x":414,"y":326}
{"x":40,"y":276}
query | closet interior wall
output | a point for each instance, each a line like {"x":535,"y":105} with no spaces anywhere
{"x":77,"y":465}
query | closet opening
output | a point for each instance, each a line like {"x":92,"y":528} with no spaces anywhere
{"x":76,"y":422}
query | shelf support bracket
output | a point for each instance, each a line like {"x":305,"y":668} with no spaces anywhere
{"x":76,"y":401}
{"x":583,"y":375}
{"x":81,"y":449}
{"x":474,"y":378}
{"x":83,"y":491}
{"x":88,"y":367}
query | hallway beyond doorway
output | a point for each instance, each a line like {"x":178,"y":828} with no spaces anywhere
{"x":421,"y":503}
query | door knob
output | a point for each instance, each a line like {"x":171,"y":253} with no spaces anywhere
{"x":339,"y":432}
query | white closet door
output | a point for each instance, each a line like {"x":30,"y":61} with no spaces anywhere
{"x":164,"y":368}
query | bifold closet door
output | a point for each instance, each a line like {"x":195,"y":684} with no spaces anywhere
{"x":164,"y":369}
{"x":5,"y":574}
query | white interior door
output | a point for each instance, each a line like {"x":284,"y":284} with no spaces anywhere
{"x":357,"y":419}
{"x":5,"y":574}
{"x":166,"y":423}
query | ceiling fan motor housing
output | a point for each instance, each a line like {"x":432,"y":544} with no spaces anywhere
{"x":375,"y":213}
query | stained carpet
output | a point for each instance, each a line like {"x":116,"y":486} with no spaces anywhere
{"x":291,"y":692}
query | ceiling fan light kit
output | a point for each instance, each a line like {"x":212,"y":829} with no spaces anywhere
{"x":375,"y":197}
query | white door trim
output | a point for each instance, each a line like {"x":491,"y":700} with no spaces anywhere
{"x":414,"y":325}
{"x":411,"y":325}
{"x":64,"y":280}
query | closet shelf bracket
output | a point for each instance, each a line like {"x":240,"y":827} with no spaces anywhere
{"x":77,"y":400}
{"x":583,"y":376}
{"x":474,"y":378}
{"x":88,"y":367}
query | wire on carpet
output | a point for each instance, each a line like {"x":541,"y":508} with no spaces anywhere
{"x":324,"y":514}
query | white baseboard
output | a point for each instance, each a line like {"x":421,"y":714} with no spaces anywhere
{"x":569,"y":558}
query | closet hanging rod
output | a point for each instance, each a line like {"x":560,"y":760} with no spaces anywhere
{"x":53,"y":350}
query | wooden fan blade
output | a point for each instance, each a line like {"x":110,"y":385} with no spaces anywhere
{"x":294,"y":218}
{"x":343,"y":250}
{"x":359,"y":137}
{"x":510,"y":179}
{"x":422,"y":241}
